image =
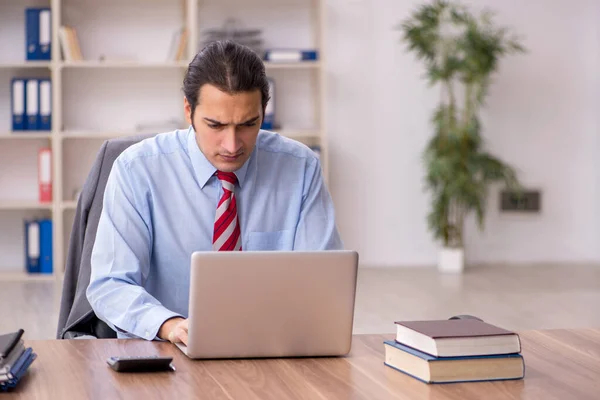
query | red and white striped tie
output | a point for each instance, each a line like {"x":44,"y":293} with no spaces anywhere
{"x":227,"y":235}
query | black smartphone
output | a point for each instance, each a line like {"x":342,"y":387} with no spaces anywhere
{"x":141,"y":364}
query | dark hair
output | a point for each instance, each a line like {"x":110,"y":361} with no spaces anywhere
{"x":230,"y":66}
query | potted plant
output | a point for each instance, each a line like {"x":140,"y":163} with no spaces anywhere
{"x":460,"y":51}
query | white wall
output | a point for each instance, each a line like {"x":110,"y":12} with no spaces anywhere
{"x":541,"y":117}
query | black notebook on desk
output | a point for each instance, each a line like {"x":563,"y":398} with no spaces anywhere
{"x":8,"y":341}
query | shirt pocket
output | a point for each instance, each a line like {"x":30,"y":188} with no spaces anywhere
{"x":276,"y":240}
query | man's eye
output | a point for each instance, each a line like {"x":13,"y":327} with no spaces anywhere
{"x":214,"y":126}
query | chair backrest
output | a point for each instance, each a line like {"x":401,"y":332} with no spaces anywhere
{"x":76,"y":317}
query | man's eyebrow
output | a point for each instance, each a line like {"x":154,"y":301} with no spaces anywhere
{"x":212,"y":121}
{"x":215,"y":122}
{"x":251,"y":120}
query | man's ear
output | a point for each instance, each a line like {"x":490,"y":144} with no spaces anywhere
{"x":187,"y":108}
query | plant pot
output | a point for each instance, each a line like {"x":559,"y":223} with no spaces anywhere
{"x":451,"y":260}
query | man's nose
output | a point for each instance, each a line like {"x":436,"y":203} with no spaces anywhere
{"x":230,"y":142}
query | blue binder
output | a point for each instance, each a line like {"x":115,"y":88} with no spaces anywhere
{"x":17,"y":99}
{"x":45,"y":246}
{"x":45,"y":109}
{"x":38,"y":33}
{"x":32,"y":104}
{"x":269,"y":118}
{"x":32,"y":33}
{"x":290,"y":55}
{"x":45,"y":34}
{"x":32,"y":246}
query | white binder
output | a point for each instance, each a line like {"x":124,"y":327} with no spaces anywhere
{"x":33,"y":102}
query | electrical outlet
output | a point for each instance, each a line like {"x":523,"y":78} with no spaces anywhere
{"x":526,"y":201}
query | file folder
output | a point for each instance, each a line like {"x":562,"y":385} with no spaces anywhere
{"x":45,"y":34}
{"x":45,"y":96}
{"x":32,"y":33}
{"x":18,"y":104}
{"x":290,"y":55}
{"x":45,"y":246}
{"x":269,"y":117}
{"x":45,"y":175}
{"x":32,"y":102}
{"x":32,"y":246}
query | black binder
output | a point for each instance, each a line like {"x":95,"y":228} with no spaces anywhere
{"x":8,"y":342}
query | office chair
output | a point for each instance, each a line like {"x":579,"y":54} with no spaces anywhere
{"x":76,"y":317}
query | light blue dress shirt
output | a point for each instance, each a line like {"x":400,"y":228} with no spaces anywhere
{"x":159,"y":207}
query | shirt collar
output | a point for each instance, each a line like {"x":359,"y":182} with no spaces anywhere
{"x":203,"y":169}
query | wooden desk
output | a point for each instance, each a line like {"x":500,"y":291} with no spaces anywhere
{"x":559,"y":365}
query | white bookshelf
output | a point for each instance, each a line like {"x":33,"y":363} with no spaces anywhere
{"x":125,"y":80}
{"x":17,"y":205}
{"x":122,"y":64}
{"x":294,"y":65}
{"x":25,"y":64}
{"x":24,"y":136}
{"x":21,"y":276}
{"x":68,"y":205}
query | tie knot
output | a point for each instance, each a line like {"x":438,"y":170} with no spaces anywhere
{"x":228,"y":179}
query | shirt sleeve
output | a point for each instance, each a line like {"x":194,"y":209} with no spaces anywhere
{"x":120,"y":261}
{"x":316,"y":229}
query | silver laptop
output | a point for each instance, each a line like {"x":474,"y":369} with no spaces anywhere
{"x":271,"y":304}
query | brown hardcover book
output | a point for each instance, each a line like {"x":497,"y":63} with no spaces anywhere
{"x":431,"y":369}
{"x":456,"y":338}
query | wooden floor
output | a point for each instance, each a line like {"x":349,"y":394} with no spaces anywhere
{"x":515,"y":298}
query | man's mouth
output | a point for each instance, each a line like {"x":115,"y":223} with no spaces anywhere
{"x":231,"y":157}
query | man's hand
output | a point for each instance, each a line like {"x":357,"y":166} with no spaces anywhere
{"x":174,"y":330}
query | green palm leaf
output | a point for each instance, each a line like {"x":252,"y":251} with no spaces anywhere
{"x":458,"y":47}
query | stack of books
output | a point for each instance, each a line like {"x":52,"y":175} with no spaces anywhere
{"x":15,"y":359}
{"x":463,"y":350}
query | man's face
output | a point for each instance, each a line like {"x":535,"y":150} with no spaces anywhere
{"x":226,"y":125}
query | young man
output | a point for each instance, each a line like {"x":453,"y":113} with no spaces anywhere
{"x":221,"y":185}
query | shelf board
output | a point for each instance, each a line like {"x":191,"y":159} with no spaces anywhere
{"x":169,"y":64}
{"x":24,"y":205}
{"x":25,"y":64}
{"x":176,"y":64}
{"x":100,"y":134}
{"x":122,"y":64}
{"x":68,"y":205}
{"x":292,"y":65}
{"x":298,"y":133}
{"x":308,"y":137}
{"x":25,"y":135}
{"x":22,"y":276}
